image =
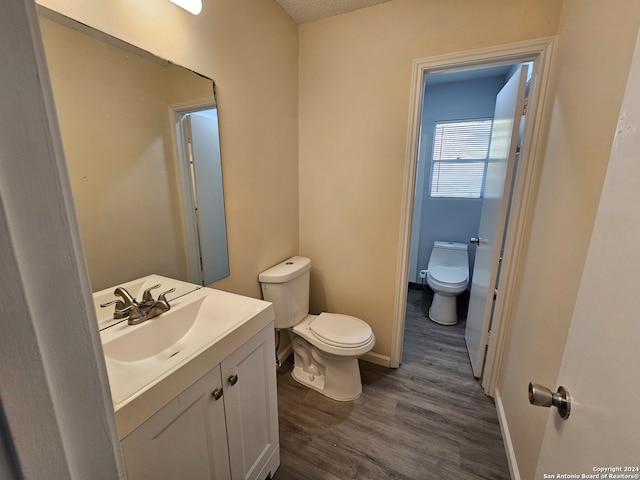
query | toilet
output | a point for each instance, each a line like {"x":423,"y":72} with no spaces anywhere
{"x":326,"y":347}
{"x":448,"y":277}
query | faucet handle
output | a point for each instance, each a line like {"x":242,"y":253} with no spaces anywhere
{"x":119,"y":304}
{"x":162,"y":296}
{"x":158,"y":307}
{"x":121,"y":310}
{"x":146,"y":296}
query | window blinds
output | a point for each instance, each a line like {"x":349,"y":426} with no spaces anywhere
{"x":460,"y":151}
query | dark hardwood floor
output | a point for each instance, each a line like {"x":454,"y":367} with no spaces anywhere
{"x":429,"y":419}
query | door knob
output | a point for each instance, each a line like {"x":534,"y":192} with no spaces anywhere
{"x":543,"y":397}
{"x":474,"y":240}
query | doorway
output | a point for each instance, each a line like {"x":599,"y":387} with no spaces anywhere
{"x":538,"y":52}
{"x":197,"y":142}
{"x":465,"y":172}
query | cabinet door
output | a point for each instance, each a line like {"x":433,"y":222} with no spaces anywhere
{"x":251,"y":408}
{"x":185,"y":440}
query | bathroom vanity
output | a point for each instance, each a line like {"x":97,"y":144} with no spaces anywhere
{"x":194,"y":388}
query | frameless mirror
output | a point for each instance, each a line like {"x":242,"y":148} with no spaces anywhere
{"x":141,"y":140}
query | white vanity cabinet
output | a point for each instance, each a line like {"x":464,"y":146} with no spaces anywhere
{"x":251,"y":408}
{"x":186,"y":439}
{"x":224,"y":426}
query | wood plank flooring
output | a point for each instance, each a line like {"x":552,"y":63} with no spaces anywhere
{"x":429,"y":419}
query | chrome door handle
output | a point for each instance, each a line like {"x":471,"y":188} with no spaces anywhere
{"x":543,"y":397}
{"x":474,"y":240}
{"x":233,"y":379}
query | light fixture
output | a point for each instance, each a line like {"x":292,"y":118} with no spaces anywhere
{"x":191,"y":6}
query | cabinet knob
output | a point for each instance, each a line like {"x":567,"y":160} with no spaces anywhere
{"x":233,"y":379}
{"x":217,"y":393}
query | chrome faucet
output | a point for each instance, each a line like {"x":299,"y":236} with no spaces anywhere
{"x":137,"y":312}
{"x":123,"y":306}
{"x":142,"y":313}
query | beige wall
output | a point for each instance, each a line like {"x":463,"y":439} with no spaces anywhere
{"x":250,"y":49}
{"x":596,"y":40}
{"x":355,"y":77}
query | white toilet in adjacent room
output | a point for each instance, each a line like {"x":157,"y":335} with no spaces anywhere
{"x":448,"y":277}
{"x":326,"y":347}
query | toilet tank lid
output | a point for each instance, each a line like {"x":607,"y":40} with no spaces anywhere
{"x":287,"y":270}
{"x":450,"y":245}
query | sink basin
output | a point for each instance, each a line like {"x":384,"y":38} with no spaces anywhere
{"x":193,"y":321}
{"x":149,"y":364}
{"x":155,"y":336}
{"x":136,"y":288}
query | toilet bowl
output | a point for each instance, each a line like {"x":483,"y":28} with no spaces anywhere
{"x":448,"y":277}
{"x":326,"y":347}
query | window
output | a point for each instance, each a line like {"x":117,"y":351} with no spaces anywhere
{"x":459,"y":162}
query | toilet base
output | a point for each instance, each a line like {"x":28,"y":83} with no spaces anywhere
{"x":335,"y":377}
{"x":350,"y":389}
{"x":443,"y":309}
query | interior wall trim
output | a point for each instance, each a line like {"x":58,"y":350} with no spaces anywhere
{"x":54,"y":388}
{"x":284,"y":353}
{"x":506,"y":437}
{"x":377,"y":359}
{"x":517,"y":232}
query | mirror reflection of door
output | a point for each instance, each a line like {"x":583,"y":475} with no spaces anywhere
{"x":203,"y":197}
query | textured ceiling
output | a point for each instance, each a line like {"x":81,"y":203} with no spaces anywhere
{"x":305,"y":11}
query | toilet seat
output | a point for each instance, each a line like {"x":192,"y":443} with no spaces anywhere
{"x":341,"y":330}
{"x":450,"y":276}
{"x":358,"y":339}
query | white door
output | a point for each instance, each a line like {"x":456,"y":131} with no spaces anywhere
{"x":602,"y":354}
{"x":502,"y":151}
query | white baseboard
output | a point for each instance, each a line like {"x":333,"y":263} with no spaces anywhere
{"x":506,"y":437}
{"x":376,"y":358}
{"x":284,"y":353}
{"x":371,"y":357}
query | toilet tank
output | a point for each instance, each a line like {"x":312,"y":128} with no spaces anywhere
{"x":286,"y":285}
{"x":449,"y":254}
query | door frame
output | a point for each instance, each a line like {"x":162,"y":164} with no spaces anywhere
{"x":182,"y":155}
{"x":54,"y":388}
{"x":540,"y":51}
